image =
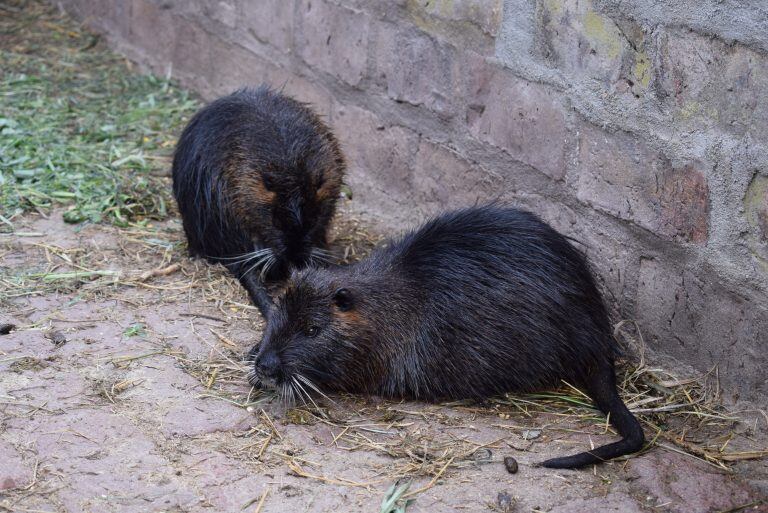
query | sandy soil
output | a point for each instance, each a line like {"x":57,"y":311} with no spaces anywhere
{"x":125,"y":392}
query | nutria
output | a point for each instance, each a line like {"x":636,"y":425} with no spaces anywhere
{"x":476,"y":303}
{"x":256,"y":176}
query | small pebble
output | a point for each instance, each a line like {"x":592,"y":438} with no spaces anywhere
{"x":6,"y":328}
{"x":511,"y":464}
{"x":482,"y":455}
{"x":531,"y":434}
{"x":56,"y":337}
{"x":505,"y":502}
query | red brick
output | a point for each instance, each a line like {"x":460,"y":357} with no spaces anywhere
{"x":334,"y":39}
{"x":415,"y":67}
{"x":154,"y":27}
{"x":756,"y":212}
{"x":622,"y":175}
{"x":692,"y":315}
{"x":579,"y":41}
{"x":191,"y":55}
{"x":707,"y":81}
{"x":225,"y":12}
{"x":444,"y":179}
{"x":380,"y":158}
{"x":525,"y":119}
{"x":683,"y":199}
{"x":484,"y":14}
{"x":269,"y":22}
{"x":463,"y":24}
{"x":236,"y":67}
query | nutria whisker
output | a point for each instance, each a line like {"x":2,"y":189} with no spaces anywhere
{"x":314,"y":387}
{"x":320,"y":260}
{"x":245,"y":261}
{"x":322,"y":252}
{"x":265,"y":270}
{"x":304,"y":391}
{"x":258,"y":263}
{"x":244,"y":257}
{"x":293,"y":393}
{"x":321,"y":256}
{"x":254,"y":380}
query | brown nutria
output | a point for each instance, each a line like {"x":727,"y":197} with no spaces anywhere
{"x":256,"y":176}
{"x":476,"y":303}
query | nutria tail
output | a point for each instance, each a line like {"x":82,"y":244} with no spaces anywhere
{"x":601,"y":387}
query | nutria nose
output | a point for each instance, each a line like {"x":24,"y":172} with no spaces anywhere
{"x":268,"y":365}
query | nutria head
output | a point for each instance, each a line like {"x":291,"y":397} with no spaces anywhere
{"x":316,"y":337}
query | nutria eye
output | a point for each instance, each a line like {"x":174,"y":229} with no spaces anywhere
{"x":268,"y":182}
{"x":312,"y":331}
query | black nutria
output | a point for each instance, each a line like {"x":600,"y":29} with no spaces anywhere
{"x":476,"y":303}
{"x":256,"y":176}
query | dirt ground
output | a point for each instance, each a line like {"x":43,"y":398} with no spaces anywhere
{"x":122,"y":389}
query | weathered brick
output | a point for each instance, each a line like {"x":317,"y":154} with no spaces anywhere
{"x":225,"y":12}
{"x":756,"y":211}
{"x":691,"y":315}
{"x":577,"y":39}
{"x":525,"y":119}
{"x":269,"y":22}
{"x":707,"y":81}
{"x":683,"y":198}
{"x":334,"y":39}
{"x":380,"y":174}
{"x":388,"y":162}
{"x":622,"y":175}
{"x":486,"y":14}
{"x":443,"y":179}
{"x":191,"y":55}
{"x":741,"y":21}
{"x":154,"y":27}
{"x":584,"y":43}
{"x":463,"y":23}
{"x":236,"y":67}
{"x":415,"y":67}
{"x":313,"y":93}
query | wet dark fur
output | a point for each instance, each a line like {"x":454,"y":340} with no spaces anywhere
{"x":476,"y":303}
{"x":256,"y":170}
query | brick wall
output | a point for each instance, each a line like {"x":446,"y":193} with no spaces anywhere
{"x":639,"y":128}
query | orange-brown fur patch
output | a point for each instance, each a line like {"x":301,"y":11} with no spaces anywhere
{"x":351,"y":319}
{"x":244,"y":189}
{"x":331,"y":184}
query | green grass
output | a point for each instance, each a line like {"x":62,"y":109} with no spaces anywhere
{"x":135,"y":330}
{"x":78,"y":127}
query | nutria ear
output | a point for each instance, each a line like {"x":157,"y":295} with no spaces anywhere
{"x":343,"y":299}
